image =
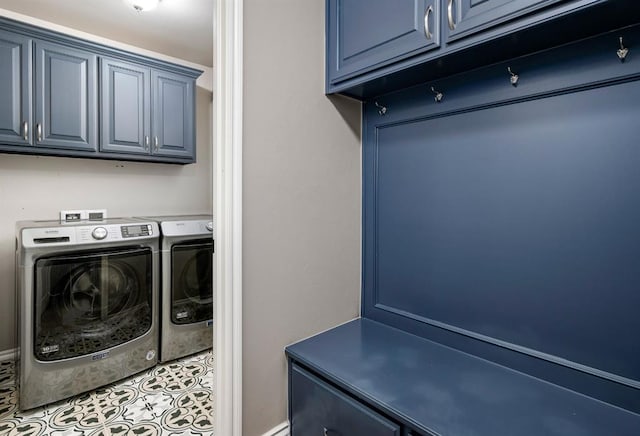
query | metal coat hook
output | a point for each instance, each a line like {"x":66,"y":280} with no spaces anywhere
{"x":622,"y":51}
{"x":514,"y":77}
{"x":381,"y":109}
{"x":439,"y":96}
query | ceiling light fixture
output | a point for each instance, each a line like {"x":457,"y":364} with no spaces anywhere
{"x":143,"y":5}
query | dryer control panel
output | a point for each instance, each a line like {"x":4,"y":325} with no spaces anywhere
{"x":188,"y":228}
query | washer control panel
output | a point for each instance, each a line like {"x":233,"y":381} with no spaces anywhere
{"x":134,"y":231}
{"x":95,"y":233}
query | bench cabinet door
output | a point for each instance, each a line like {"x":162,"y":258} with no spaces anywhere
{"x":318,"y":409}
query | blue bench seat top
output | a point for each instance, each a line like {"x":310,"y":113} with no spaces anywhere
{"x":438,"y":390}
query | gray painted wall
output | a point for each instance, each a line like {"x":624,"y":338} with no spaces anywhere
{"x":301,"y":204}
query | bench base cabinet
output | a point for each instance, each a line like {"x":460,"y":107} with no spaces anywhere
{"x":62,"y":96}
{"x":318,"y":409}
{"x":365,"y":378}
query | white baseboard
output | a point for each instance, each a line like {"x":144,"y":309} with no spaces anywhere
{"x":9,"y":354}
{"x":279,"y":430}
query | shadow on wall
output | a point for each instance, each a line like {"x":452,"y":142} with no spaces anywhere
{"x":344,"y":106}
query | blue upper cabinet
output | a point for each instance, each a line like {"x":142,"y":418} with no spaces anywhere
{"x":378,"y":46}
{"x":66,"y":88}
{"x":146,"y":112}
{"x":62,"y":96}
{"x":467,"y":17}
{"x":125,"y":111}
{"x":15,"y":89}
{"x":366,"y":35}
{"x":173,"y":115}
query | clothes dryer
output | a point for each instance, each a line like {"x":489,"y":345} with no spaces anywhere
{"x":87,"y":305}
{"x":188,"y":282}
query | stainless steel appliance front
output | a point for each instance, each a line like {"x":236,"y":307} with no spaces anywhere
{"x":188,"y":281}
{"x":87,"y":294}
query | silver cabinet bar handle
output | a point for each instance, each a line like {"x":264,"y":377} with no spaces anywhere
{"x":39,"y":132}
{"x":146,"y":142}
{"x":155,"y":142}
{"x":25,"y":130}
{"x":452,"y":25}
{"x":427,"y":16}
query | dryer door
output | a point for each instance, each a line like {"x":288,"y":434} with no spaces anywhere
{"x":90,"y":301}
{"x":192,"y":281}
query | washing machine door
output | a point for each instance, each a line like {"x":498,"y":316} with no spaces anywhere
{"x":90,"y":301}
{"x":192,"y":281}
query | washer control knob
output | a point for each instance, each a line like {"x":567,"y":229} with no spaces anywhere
{"x":99,"y":233}
{"x":210,"y":226}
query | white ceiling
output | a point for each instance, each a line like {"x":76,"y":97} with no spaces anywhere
{"x":178,"y":28}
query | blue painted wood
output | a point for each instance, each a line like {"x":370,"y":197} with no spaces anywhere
{"x":494,"y":123}
{"x":433,"y":389}
{"x":473,"y":16}
{"x":65,"y":97}
{"x":558,"y":24}
{"x":363,"y":36}
{"x":173,"y":125}
{"x":125,"y":99}
{"x":527,"y":217}
{"x":15,"y":89}
{"x":318,"y":408}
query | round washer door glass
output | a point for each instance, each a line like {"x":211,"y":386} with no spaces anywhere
{"x":192,"y":282}
{"x":87,"y":302}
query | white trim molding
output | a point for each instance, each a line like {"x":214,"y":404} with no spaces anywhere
{"x":281,"y":429}
{"x":9,"y":354}
{"x":228,"y":28}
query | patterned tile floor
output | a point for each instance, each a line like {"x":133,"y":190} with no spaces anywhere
{"x":170,"y":399}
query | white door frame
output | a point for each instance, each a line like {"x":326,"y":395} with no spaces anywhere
{"x":227,"y":124}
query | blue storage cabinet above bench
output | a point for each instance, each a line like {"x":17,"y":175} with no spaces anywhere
{"x":379,"y":46}
{"x":501,"y":271}
{"x":64,"y":96}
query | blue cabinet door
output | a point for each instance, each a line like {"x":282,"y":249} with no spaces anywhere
{"x":173,"y":126}
{"x":467,"y":17}
{"x":125,"y":115}
{"x":66,"y":111}
{"x":15,"y":89}
{"x":362,"y":36}
{"x":320,"y":409}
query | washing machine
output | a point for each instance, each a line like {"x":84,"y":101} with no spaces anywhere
{"x":87,"y":305}
{"x":188,"y":281}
